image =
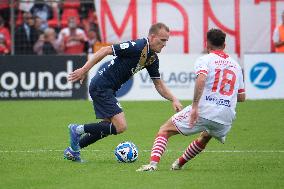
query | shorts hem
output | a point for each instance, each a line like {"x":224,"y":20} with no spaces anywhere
{"x":108,"y":116}
{"x":177,"y":127}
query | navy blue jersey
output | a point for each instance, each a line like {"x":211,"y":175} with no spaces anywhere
{"x":130,"y":57}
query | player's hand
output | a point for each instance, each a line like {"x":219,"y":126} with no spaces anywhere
{"x":177,"y":105}
{"x":193,"y":117}
{"x":77,"y":75}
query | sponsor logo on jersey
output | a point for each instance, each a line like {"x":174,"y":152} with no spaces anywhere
{"x":224,"y":102}
{"x":219,"y":102}
{"x":143,"y":61}
{"x":263,"y":75}
{"x":119,"y":105}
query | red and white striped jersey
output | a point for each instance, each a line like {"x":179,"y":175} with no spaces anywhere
{"x":224,"y":81}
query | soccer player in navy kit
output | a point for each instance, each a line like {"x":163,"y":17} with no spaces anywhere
{"x":130,"y":57}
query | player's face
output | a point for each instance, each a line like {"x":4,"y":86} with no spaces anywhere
{"x":158,"y":41}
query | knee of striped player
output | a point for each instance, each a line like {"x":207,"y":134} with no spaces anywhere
{"x":164,"y":132}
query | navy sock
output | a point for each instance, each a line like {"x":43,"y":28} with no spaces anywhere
{"x":88,"y":139}
{"x":95,"y":132}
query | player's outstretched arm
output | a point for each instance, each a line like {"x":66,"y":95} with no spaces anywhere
{"x":80,"y":73}
{"x":166,"y":93}
{"x":198,"y":90}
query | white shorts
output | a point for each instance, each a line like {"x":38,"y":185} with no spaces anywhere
{"x":216,"y":130}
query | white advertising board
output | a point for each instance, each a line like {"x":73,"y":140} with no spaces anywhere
{"x":177,"y":71}
{"x":264,"y":76}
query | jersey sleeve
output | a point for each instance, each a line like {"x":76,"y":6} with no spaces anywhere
{"x":201,"y":67}
{"x":129,"y":48}
{"x":241,"y":88}
{"x":153,"y":70}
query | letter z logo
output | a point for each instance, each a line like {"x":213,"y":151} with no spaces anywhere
{"x":262,"y":75}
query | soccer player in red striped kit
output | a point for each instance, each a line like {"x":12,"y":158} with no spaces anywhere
{"x":219,"y":86}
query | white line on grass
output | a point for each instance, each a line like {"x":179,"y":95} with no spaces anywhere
{"x":206,"y":151}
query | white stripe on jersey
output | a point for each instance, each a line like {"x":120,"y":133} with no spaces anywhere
{"x":114,"y":54}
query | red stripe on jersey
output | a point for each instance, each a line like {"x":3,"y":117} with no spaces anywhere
{"x":220,"y":53}
{"x":241,"y":90}
{"x":202,"y":71}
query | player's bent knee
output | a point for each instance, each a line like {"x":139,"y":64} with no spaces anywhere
{"x":168,"y":129}
{"x":121,"y":128}
{"x":165,"y":132}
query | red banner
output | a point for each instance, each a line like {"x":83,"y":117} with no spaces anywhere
{"x":249,"y":24}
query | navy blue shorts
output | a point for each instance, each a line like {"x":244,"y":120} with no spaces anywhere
{"x":104,"y":102}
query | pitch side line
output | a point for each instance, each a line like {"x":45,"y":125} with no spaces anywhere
{"x":169,"y":151}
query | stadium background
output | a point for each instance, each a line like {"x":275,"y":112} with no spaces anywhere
{"x":33,"y":132}
{"x":249,"y":26}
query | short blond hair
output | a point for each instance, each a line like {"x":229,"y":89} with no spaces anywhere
{"x":155,"y":28}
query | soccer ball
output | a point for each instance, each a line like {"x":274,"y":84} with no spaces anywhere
{"x":126,"y":152}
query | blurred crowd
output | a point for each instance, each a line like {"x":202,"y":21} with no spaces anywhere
{"x":48,"y":27}
{"x":45,"y":27}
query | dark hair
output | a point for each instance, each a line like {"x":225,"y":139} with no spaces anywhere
{"x":216,"y":37}
{"x":154,"y":29}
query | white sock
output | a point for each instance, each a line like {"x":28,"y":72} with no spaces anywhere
{"x":154,"y":163}
{"x":80,"y":129}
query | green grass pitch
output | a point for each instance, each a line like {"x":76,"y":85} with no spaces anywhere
{"x":33,"y":135}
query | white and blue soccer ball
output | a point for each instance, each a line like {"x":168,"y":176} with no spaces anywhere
{"x":126,"y":152}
